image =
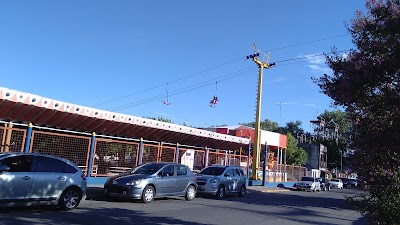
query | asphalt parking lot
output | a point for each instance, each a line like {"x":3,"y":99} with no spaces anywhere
{"x":259,"y":206}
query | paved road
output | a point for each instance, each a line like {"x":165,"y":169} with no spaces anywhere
{"x":257,"y":207}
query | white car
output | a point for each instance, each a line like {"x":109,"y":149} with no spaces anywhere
{"x":336,"y":183}
{"x":309,"y":184}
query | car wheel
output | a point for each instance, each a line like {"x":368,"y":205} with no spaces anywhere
{"x":70,"y":199}
{"x":242,"y":191}
{"x":148,"y":194}
{"x":190,"y":193}
{"x":220,"y":192}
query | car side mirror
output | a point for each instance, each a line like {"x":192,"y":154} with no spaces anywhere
{"x":4,"y":168}
{"x":160,"y":174}
{"x":226,"y":175}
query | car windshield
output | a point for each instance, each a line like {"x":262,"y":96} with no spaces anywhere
{"x":216,"y":171}
{"x":147,"y":169}
{"x":307,"y":179}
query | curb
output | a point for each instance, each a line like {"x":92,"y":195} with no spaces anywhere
{"x":271,"y":189}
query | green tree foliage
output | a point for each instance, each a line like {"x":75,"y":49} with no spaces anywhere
{"x":264,"y":125}
{"x":295,"y":155}
{"x":160,"y":118}
{"x":366,"y":82}
{"x":291,"y":127}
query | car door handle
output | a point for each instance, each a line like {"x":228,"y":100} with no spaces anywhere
{"x":61,"y":178}
{"x":26,"y":178}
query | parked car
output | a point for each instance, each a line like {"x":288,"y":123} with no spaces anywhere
{"x":32,"y":179}
{"x":308,"y":184}
{"x":353,"y":182}
{"x":336,"y":183}
{"x":324,"y":183}
{"x":346,"y":183}
{"x":153,"y":180}
{"x":221,"y":180}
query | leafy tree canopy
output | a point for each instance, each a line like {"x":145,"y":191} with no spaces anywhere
{"x":295,"y":155}
{"x":366,"y":82}
{"x":160,"y":118}
{"x":264,"y":125}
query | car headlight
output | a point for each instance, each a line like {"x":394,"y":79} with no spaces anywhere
{"x":135,"y":182}
{"x":214,"y":180}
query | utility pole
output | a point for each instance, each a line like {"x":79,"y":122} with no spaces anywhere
{"x":256,"y":144}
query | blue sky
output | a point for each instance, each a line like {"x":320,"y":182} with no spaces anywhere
{"x":125,"y":56}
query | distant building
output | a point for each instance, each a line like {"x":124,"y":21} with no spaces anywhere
{"x":273,"y":140}
{"x":317,"y":157}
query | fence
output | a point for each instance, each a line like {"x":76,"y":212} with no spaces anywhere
{"x":112,"y":155}
{"x":12,"y":139}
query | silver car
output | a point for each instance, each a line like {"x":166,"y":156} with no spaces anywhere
{"x":309,"y":184}
{"x":219,"y":180}
{"x":152,"y":180}
{"x":32,"y":179}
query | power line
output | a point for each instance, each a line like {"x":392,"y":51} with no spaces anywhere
{"x":186,"y":89}
{"x":220,"y":65}
{"x":309,"y":56}
{"x":208,"y":82}
{"x":309,"y":42}
{"x":173,"y":81}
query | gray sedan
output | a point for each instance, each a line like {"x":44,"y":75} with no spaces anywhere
{"x":153,"y":180}
{"x":32,"y":179}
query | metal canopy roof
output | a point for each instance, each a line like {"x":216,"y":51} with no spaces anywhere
{"x":16,"y":106}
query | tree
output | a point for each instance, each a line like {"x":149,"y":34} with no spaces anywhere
{"x":366,"y":82}
{"x":291,"y":127}
{"x":295,"y":155}
{"x":264,"y":125}
{"x":160,"y":118}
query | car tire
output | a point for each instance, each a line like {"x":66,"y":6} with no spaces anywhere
{"x":70,"y":199}
{"x":220,"y":192}
{"x":148,"y":194}
{"x":242,"y":191}
{"x":190,"y":193}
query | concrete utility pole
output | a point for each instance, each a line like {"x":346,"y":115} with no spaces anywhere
{"x":256,"y":144}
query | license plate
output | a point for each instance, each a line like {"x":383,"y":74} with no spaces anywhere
{"x":117,"y":194}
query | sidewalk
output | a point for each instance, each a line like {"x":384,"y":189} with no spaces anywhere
{"x":269,"y":189}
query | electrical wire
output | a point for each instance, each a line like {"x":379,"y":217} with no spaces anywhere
{"x":173,"y":81}
{"x":214,"y":67}
{"x":186,"y":89}
{"x":309,"y":42}
{"x":212,"y":81}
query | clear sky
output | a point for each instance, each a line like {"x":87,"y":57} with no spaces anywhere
{"x":125,"y":56}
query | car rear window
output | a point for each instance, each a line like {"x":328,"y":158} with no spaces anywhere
{"x":181,"y":170}
{"x":307,"y":179}
{"x":216,"y":171}
{"x":46,"y":164}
